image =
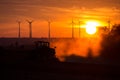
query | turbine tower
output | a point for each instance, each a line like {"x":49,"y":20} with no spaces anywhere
{"x":109,"y":24}
{"x":30,"y":27}
{"x":72,"y":28}
{"x":49,"y":21}
{"x":79,"y":28}
{"x":49,"y":30}
{"x":19,"y":30}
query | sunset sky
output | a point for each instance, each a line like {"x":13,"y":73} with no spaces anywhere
{"x":60,"y":12}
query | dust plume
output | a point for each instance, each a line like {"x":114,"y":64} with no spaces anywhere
{"x":78,"y":47}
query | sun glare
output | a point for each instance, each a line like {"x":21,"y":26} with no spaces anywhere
{"x":91,"y":27}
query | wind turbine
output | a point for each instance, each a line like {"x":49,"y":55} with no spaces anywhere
{"x":79,"y":23}
{"x":72,"y":28}
{"x":49,"y":20}
{"x":30,"y":27}
{"x":109,"y":24}
{"x":49,"y":24}
{"x":19,"y":29}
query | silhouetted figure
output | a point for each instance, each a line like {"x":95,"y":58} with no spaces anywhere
{"x":89,"y":56}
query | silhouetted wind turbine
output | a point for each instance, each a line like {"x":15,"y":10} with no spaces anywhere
{"x":49,"y":30}
{"x":79,"y":23}
{"x":30,"y":28}
{"x":72,"y":28}
{"x":109,"y":24}
{"x":19,"y":30}
{"x":49,"y":20}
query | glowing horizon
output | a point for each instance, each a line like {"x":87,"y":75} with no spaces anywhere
{"x":60,"y":14}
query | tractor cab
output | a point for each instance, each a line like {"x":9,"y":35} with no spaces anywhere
{"x":42,"y":44}
{"x":43,"y":51}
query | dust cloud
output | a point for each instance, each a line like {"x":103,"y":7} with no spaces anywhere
{"x":77,"y":47}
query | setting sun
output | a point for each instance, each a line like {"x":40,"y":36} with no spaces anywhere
{"x":91,"y":27}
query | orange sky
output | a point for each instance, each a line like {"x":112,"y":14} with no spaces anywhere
{"x":61,"y":12}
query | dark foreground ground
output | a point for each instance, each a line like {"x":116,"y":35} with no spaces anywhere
{"x":58,"y":71}
{"x":20,"y":67}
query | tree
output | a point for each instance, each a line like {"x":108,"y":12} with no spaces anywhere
{"x":111,"y":45}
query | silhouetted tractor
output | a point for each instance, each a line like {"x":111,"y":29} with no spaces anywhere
{"x":43,"y":52}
